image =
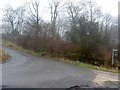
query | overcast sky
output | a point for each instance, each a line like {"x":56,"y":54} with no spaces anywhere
{"x":107,"y":6}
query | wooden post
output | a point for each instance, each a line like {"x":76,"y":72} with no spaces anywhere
{"x":112,"y":57}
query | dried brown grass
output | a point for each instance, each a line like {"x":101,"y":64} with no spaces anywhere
{"x":4,"y":56}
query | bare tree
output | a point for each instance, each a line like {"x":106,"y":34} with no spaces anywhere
{"x":9,"y":17}
{"x":73,"y":10}
{"x":91,"y":9}
{"x":108,"y":21}
{"x":20,"y":18}
{"x":62,"y":26}
{"x":54,"y":9}
{"x":13,"y":19}
{"x":34,"y":12}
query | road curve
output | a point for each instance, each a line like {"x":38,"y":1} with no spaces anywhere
{"x":26,"y":71}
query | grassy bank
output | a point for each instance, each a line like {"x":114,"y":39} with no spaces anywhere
{"x":4,"y":56}
{"x":14,"y":46}
{"x":76,"y":63}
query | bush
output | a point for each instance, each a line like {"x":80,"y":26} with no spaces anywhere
{"x":89,"y":52}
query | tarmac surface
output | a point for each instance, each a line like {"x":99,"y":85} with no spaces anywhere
{"x":27,"y":71}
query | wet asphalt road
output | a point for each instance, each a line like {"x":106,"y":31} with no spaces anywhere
{"x":26,"y":71}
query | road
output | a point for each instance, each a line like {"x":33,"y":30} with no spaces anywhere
{"x":27,"y":71}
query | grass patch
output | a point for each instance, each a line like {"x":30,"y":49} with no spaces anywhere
{"x":76,"y":63}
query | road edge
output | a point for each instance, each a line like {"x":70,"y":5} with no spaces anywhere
{"x":1,"y":62}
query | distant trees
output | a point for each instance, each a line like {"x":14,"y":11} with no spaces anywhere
{"x":73,"y":11}
{"x":54,"y":10}
{"x":83,"y":31}
{"x":34,"y":13}
{"x":77,"y":31}
{"x":13,"y":20}
{"x":107,"y":23}
{"x":89,"y":31}
{"x":9,"y":17}
{"x":20,"y":18}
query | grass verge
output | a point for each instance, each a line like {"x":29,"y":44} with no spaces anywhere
{"x":76,"y":63}
{"x":90,"y":66}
